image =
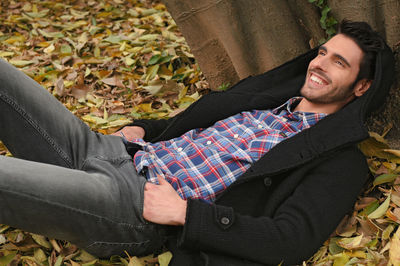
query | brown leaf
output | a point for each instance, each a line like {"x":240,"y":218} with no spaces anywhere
{"x":347,"y":226}
{"x":60,"y":87}
{"x":367,"y":227}
{"x":113,"y":81}
{"x":363,"y":202}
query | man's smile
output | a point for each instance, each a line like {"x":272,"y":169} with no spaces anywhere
{"x":319,"y":78}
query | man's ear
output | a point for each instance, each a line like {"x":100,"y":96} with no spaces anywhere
{"x":361,"y":87}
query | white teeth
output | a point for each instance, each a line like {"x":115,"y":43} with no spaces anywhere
{"x":316,"y":79}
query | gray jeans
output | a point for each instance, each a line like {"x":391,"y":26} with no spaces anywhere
{"x":67,"y":182}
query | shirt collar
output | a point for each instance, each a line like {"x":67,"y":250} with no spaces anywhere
{"x":287,"y":110}
{"x":289,"y":105}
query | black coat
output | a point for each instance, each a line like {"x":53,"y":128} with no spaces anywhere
{"x":289,"y":202}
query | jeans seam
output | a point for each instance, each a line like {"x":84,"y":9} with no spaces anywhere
{"x":41,"y":132}
{"x":71,"y":209}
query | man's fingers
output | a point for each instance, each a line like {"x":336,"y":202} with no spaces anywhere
{"x":149,"y":186}
{"x":161,"y":180}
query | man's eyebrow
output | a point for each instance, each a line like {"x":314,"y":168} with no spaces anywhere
{"x":322,"y":47}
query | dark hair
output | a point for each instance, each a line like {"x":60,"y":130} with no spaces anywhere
{"x":368,"y":40}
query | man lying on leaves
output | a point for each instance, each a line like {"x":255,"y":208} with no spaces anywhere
{"x":258,"y":174}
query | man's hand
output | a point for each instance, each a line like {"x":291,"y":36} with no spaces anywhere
{"x":162,"y":204}
{"x":130,"y":132}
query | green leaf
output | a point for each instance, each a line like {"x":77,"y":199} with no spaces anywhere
{"x":40,"y":14}
{"x":51,"y":34}
{"x":41,"y":240}
{"x":334,"y":248}
{"x":59,"y":261}
{"x":381,"y":210}
{"x":65,"y":49}
{"x":385,"y":178}
{"x":113,"y":39}
{"x":39,"y":255}
{"x":154,"y":59}
{"x":370,"y":208}
{"x":6,"y":260}
{"x":152,"y":72}
{"x":324,"y":16}
{"x":148,"y":37}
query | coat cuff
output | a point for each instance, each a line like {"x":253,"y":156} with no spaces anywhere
{"x":201,"y":219}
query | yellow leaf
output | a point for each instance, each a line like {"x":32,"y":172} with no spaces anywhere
{"x":129,"y":61}
{"x":357,"y":254}
{"x":122,"y":47}
{"x":351,"y":243}
{"x":96,"y":51}
{"x":377,"y":137}
{"x":49,"y":49}
{"x":388,"y":230}
{"x":146,"y":107}
{"x":165,"y":258}
{"x":381,"y":210}
{"x":94,"y":120}
{"x":21,"y":63}
{"x":87,"y":72}
{"x":341,"y":259}
{"x":5,"y":54}
{"x":394,"y":152}
{"x":394,"y":251}
{"x":134,"y":261}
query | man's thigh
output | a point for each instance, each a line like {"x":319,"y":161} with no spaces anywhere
{"x":35,"y":126}
{"x":98,"y":208}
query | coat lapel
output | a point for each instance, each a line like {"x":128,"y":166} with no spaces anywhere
{"x":331,"y":133}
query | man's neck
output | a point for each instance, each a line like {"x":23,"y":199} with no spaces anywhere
{"x":312,"y":107}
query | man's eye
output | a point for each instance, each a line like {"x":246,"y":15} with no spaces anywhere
{"x":340,"y":63}
{"x":321,"y":52}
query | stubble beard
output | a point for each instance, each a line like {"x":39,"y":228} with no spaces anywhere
{"x":341,"y":94}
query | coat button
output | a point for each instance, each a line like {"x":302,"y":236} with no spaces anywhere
{"x":225,"y":220}
{"x":267,"y":181}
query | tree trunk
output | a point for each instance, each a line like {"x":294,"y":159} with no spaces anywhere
{"x":232,"y":39}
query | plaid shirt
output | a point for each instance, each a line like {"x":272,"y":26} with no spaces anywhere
{"x":205,"y":161}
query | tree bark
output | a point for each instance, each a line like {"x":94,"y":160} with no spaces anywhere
{"x":234,"y":39}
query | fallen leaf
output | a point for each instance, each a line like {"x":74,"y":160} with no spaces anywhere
{"x":394,"y":251}
{"x":381,"y":210}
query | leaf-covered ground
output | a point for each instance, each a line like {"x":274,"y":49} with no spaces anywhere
{"x":108,"y":62}
{"x":111,"y":61}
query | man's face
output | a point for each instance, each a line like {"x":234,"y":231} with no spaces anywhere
{"x":332,"y":73}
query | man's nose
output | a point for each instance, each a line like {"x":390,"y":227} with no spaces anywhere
{"x":320,"y":63}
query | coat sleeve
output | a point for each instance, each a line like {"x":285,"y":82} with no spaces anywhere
{"x":249,"y":93}
{"x":298,"y":227}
